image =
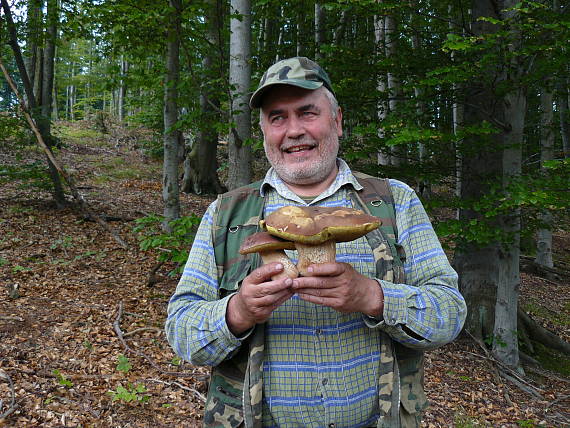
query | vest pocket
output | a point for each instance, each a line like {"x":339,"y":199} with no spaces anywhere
{"x":224,"y":407}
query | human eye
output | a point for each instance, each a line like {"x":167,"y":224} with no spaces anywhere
{"x":276,"y":118}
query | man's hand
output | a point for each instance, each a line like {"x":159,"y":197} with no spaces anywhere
{"x":257,"y":298}
{"x":340,"y":287}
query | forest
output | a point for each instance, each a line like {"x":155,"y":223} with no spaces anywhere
{"x":121,"y":120}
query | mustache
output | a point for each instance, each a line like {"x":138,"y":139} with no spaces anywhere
{"x":305,"y":141}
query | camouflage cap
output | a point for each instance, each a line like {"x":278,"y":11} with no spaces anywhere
{"x":297,"y":71}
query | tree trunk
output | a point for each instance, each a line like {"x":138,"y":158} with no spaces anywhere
{"x":383,"y":156}
{"x":13,"y":42}
{"x":457,"y":116}
{"x":489,"y":276}
{"x":564,"y":111}
{"x":44,"y":123}
{"x":544,"y":234}
{"x":239,"y":150}
{"x":202,"y":159}
{"x":479,"y":267}
{"x":398,"y":156}
{"x":505,"y":345}
{"x":52,"y":19}
{"x":341,"y":28}
{"x":122,"y":95}
{"x":170,"y":188}
{"x":34,"y":29}
{"x":319,"y":29}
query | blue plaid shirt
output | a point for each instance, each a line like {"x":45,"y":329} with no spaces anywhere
{"x":322,"y":366}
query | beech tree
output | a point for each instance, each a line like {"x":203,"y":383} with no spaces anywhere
{"x":239,"y":149}
{"x":172,"y":137}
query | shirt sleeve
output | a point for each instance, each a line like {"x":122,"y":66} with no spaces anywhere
{"x":428,"y":311}
{"x":196,"y":325}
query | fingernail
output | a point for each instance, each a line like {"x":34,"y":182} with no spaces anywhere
{"x":279,"y":266}
{"x":289,"y":282}
{"x":310,"y":269}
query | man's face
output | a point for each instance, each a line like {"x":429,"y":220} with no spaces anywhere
{"x":300,"y":134}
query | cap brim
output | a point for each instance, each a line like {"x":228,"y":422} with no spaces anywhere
{"x":256,"y":98}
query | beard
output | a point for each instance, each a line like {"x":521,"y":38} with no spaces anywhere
{"x":305,"y":172}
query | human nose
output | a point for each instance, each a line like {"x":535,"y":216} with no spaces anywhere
{"x":295,"y":127}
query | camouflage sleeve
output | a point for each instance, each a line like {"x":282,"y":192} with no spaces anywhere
{"x":196,"y":323}
{"x":428,"y":311}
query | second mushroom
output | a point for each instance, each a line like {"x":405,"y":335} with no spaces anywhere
{"x":316,"y":230}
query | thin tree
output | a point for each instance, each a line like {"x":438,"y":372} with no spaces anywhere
{"x":170,"y":187}
{"x":201,"y":173}
{"x":58,"y":193}
{"x":239,"y":149}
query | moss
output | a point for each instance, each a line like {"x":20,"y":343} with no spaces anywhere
{"x":552,"y":360}
{"x":561,"y":318}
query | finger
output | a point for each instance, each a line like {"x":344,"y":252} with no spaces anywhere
{"x":318,"y":300}
{"x":264,"y":273}
{"x":326,"y":269}
{"x":273,"y":287}
{"x":313,"y":282}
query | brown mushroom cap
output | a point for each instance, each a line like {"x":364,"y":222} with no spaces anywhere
{"x":262,"y":242}
{"x":271,"y":249}
{"x":315,"y":225}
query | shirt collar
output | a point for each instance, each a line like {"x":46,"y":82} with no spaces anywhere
{"x":343,"y":178}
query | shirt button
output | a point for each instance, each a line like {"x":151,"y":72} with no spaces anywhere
{"x":325,"y":381}
{"x":318,"y":331}
{"x":332,"y":425}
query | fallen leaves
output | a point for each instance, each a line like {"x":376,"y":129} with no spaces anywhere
{"x":61,"y":351}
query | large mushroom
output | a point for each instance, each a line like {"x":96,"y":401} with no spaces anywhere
{"x":316,"y":230}
{"x":271,"y":249}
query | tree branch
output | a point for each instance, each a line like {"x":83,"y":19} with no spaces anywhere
{"x":12,"y":408}
{"x":121,"y":336}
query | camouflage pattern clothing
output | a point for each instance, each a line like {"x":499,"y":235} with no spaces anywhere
{"x":298,"y":71}
{"x":321,"y":367}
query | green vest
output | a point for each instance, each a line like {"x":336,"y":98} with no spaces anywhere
{"x":235,"y":391}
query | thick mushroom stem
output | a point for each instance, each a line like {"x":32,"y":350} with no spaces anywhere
{"x":289,"y":268}
{"x":310,"y":254}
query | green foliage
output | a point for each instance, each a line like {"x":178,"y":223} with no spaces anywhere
{"x":13,"y":130}
{"x":172,"y":246}
{"x":123,"y":364}
{"x":492,"y":340}
{"x":62,"y":243}
{"x":62,"y":379}
{"x":527,"y":423}
{"x":533,"y":194}
{"x":132,"y":393}
{"x":19,"y":268}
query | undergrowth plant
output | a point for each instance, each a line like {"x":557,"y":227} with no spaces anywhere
{"x":171,"y":246}
{"x":130,"y":393}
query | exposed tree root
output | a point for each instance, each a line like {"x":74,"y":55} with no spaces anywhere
{"x":540,"y":334}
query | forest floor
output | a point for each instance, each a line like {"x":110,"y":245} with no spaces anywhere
{"x":83,"y":344}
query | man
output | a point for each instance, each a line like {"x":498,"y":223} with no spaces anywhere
{"x":343,"y":346}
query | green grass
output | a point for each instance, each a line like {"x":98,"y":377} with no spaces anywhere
{"x":119,"y":174}
{"x":76,"y":134}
